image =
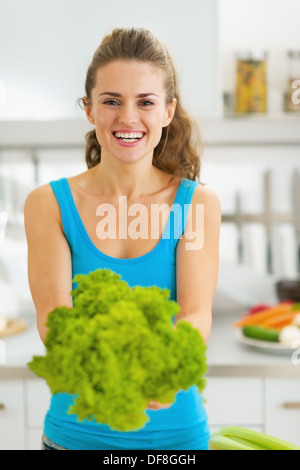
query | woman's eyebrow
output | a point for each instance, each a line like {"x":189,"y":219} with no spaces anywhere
{"x":118,"y":95}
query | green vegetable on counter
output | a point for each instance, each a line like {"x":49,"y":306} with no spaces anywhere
{"x":295,"y":307}
{"x":238,"y":438}
{"x":117,"y":349}
{"x":261,"y":333}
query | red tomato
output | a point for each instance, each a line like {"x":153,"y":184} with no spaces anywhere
{"x":259,"y":308}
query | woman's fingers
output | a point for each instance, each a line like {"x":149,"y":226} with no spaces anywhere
{"x":156,"y":405}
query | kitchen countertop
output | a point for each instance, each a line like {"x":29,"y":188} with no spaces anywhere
{"x":226,"y":356}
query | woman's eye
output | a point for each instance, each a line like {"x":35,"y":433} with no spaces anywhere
{"x":111,"y":102}
{"x":146,"y":103}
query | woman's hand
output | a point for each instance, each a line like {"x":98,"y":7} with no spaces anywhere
{"x":156,"y":405}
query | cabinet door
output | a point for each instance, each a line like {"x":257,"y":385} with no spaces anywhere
{"x":11,"y":415}
{"x":283,"y":409}
{"x":233,"y":401}
{"x":34,"y":439}
{"x":37,"y":402}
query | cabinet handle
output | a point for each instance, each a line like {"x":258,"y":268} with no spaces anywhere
{"x":292,"y":405}
{"x":2,"y":406}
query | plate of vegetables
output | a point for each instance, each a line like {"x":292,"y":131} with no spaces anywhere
{"x":273,"y":328}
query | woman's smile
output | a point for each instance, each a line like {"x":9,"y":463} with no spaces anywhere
{"x":128,"y":137}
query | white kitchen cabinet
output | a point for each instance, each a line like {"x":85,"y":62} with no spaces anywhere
{"x":12,"y":433}
{"x":33,"y":439}
{"x":234,"y":401}
{"x":268,"y":405}
{"x":264,"y":404}
{"x":282,"y":409}
{"x":37,"y":400}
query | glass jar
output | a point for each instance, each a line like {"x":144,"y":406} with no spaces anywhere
{"x":251,"y":83}
{"x":292,"y":95}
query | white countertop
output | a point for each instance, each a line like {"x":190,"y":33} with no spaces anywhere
{"x":226,"y":356}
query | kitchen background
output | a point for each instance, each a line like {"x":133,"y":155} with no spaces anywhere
{"x":251,"y":157}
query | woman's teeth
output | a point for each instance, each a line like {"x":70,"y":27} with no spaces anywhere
{"x":129,"y":136}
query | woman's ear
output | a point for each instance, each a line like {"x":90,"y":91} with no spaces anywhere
{"x":88,"y":110}
{"x":170,"y":112}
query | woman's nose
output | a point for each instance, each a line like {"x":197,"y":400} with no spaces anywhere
{"x":128,"y":114}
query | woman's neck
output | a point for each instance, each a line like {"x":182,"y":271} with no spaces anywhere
{"x":133,"y":180}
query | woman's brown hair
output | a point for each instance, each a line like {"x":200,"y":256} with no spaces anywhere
{"x":179,"y":149}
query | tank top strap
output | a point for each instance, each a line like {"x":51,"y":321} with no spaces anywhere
{"x":59,"y":188}
{"x":179,"y":211}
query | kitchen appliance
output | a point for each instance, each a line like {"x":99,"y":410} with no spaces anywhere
{"x":288,"y":289}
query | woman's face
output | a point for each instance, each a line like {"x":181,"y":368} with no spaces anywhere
{"x":129,"y":109}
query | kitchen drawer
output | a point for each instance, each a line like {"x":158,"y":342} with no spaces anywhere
{"x":37,"y":401}
{"x":283,"y":409}
{"x":11,"y":415}
{"x":234,"y":402}
{"x":34,"y":439}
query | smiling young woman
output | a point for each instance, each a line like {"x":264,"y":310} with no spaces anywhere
{"x":143,"y":147}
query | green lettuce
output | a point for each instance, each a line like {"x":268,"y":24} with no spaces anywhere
{"x":117,"y":349}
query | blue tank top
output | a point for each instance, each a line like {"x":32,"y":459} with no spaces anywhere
{"x":184,"y":424}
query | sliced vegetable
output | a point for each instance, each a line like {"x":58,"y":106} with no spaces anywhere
{"x":258,"y":308}
{"x":238,"y":438}
{"x":289,"y":334}
{"x":296,"y":320}
{"x":261,"y":333}
{"x":281,"y":320}
{"x":261,"y":317}
{"x":282,"y":324}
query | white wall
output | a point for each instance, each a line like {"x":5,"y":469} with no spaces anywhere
{"x":47,"y":45}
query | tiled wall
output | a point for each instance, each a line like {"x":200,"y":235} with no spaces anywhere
{"x":18,"y":176}
{"x":240,"y":170}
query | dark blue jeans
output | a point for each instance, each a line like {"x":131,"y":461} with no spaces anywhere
{"x":49,"y":445}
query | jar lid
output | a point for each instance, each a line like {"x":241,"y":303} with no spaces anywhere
{"x":258,"y":54}
{"x":255,"y":55}
{"x":243,"y":55}
{"x":294,"y":54}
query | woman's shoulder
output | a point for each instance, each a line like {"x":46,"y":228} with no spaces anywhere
{"x":40,"y":200}
{"x":42,"y":192}
{"x":208,"y":197}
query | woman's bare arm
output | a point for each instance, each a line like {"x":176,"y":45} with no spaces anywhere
{"x":197,"y":266}
{"x":49,"y":259}
{"x":198,"y":261}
